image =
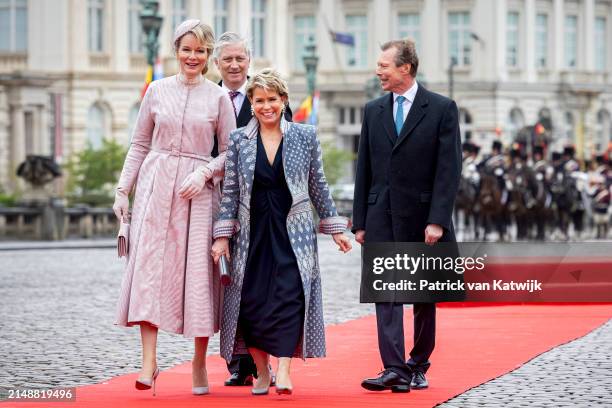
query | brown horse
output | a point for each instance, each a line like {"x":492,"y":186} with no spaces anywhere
{"x":492,"y":210}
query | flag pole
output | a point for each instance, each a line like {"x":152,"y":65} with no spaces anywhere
{"x":335,"y":50}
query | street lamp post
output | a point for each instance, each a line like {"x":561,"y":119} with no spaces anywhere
{"x":151,"y":23}
{"x":311,"y":60}
{"x":372,"y":88}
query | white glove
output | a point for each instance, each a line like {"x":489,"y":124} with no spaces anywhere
{"x":122,"y":205}
{"x":194,"y":183}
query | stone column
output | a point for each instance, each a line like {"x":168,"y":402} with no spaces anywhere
{"x":242,"y":17}
{"x":278,"y":35}
{"x":588,"y":36}
{"x":17,"y":132}
{"x":500,"y":33}
{"x":558,"y":36}
{"x":433,"y":67}
{"x":529,"y":41}
{"x":78,"y":34}
{"x":325,"y":16}
{"x":381,"y":24}
{"x":119,"y":44}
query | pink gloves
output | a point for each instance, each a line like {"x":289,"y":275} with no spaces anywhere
{"x":122,"y":205}
{"x":194,"y":183}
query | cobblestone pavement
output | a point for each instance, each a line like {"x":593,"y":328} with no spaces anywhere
{"x":57,"y":309}
{"x":56,"y":329}
{"x":576,"y":374}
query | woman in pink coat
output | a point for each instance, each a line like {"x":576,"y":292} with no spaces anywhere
{"x":170,"y":282}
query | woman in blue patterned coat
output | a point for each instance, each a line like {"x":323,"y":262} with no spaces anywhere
{"x":273,"y":172}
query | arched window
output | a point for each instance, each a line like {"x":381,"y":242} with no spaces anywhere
{"x":98,"y":124}
{"x":603,"y":133}
{"x":465,"y":124}
{"x":516,"y":121}
{"x":132,"y":116}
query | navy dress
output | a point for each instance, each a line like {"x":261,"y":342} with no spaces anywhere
{"x":272,"y":302}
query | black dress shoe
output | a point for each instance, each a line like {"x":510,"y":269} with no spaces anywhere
{"x":237,"y":379}
{"x":389,"y":380}
{"x":419,"y":381}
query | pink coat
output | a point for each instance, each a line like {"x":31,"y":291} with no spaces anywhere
{"x":169,"y":280}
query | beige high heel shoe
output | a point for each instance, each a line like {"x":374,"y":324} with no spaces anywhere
{"x":147,"y":383}
{"x":262,"y":391}
{"x":201,"y":390}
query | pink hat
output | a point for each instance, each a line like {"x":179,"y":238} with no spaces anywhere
{"x":185,"y":27}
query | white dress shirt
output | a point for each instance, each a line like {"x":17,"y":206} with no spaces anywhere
{"x":409,"y":95}
{"x":239,"y":99}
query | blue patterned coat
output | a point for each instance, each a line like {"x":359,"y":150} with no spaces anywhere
{"x":303,"y":168}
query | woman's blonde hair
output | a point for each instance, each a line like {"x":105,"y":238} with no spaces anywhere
{"x":205,"y":35}
{"x":270,"y":80}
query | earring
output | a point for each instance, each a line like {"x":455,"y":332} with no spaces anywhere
{"x":283,"y":110}
{"x":252,"y":111}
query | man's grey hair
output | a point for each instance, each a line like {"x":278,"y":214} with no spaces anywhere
{"x":231,"y":38}
{"x":406,"y":54}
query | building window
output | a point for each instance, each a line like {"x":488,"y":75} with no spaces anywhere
{"x":600,"y":44}
{"x":357,"y":56}
{"x":516,"y":122}
{"x":465,"y":124}
{"x":512,"y":39}
{"x":135,"y":27}
{"x":258,"y":24}
{"x":304,"y":28}
{"x":541,"y":41}
{"x":569,"y":126}
{"x":459,"y":38}
{"x":604,"y":130}
{"x":96,"y":125}
{"x":13,"y":25}
{"x":179,"y":12}
{"x":220,"y":17}
{"x":571,"y":41}
{"x":96,"y":25}
{"x":409,"y":26}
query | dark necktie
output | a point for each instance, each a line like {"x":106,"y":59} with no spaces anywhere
{"x":233,"y":95}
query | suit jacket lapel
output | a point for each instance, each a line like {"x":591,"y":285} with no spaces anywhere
{"x":248,"y":156}
{"x":386,"y":107}
{"x":244,"y":116}
{"x":415,"y":115}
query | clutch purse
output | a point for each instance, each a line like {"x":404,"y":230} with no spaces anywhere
{"x":224,"y":271}
{"x":123,"y":238}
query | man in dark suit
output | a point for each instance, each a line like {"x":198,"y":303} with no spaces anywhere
{"x":408,"y":172}
{"x":232,"y":56}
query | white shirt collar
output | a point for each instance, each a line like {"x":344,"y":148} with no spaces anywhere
{"x":409,"y":94}
{"x":242,"y":89}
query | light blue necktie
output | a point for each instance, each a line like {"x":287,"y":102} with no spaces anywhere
{"x":399,"y":115}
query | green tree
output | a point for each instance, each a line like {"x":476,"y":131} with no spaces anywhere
{"x":93,"y":173}
{"x":334,"y":161}
{"x":7,"y":199}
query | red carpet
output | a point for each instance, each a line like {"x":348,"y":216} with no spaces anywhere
{"x":474,"y":345}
